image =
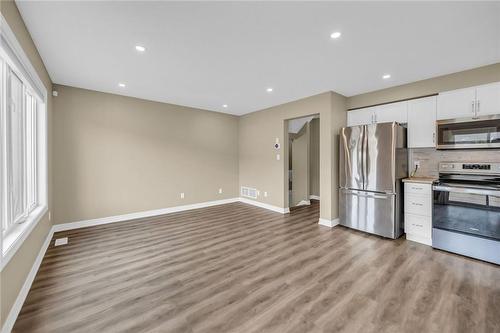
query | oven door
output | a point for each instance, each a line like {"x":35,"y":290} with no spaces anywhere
{"x":482,"y":132}
{"x":467,"y":210}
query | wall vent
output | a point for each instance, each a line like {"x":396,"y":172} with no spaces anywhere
{"x":249,"y":192}
{"x":61,"y":241}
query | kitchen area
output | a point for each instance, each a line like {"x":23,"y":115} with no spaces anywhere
{"x":426,"y":167}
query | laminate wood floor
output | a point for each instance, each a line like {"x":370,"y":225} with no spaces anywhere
{"x":239,"y":268}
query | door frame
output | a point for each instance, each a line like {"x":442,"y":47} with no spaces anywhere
{"x":285,"y":153}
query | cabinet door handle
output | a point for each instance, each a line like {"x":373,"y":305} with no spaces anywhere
{"x":478,"y":107}
{"x":416,"y":204}
{"x":434,"y":137}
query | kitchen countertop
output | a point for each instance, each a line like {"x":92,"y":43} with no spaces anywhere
{"x":421,"y":180}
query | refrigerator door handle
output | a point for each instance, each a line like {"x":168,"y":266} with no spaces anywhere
{"x":364,"y":155}
{"x":368,"y":194}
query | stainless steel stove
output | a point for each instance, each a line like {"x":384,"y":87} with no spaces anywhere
{"x":466,"y":210}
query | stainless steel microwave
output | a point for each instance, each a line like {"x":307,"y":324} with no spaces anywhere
{"x":468,"y":133}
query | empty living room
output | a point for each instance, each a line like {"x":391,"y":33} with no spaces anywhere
{"x":249,"y":166}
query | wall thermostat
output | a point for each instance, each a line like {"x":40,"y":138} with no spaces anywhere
{"x":276,"y":146}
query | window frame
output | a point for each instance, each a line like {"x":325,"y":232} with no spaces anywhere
{"x":15,"y":58}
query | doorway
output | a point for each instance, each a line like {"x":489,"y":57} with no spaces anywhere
{"x":303,"y":161}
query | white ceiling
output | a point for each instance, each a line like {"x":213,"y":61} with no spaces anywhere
{"x":206,"y":54}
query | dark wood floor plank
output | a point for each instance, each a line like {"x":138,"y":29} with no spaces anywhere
{"x":239,"y":268}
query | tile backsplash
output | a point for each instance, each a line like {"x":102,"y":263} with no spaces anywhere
{"x":430,"y":157}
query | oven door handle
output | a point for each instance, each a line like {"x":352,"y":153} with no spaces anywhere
{"x":465,"y":190}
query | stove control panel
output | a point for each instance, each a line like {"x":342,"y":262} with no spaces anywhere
{"x":461,"y":167}
{"x":476,"y":166}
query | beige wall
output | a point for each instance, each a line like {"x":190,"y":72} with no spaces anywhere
{"x":314,"y":157}
{"x":469,"y":78}
{"x":15,"y":272}
{"x":258,"y":166}
{"x":115,"y":155}
{"x":339,"y":120}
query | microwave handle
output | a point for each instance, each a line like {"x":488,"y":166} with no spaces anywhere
{"x":465,"y":190}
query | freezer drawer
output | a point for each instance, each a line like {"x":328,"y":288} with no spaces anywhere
{"x":369,"y":211}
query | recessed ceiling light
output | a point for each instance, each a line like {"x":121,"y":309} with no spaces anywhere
{"x":122,"y":85}
{"x":335,"y":35}
{"x":386,"y":76}
{"x":269,"y":89}
{"x":224,"y":105}
{"x":140,"y":48}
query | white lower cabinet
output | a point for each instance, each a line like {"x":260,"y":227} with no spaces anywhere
{"x":418,"y":212}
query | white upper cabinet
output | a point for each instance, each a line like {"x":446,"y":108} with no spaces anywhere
{"x":488,"y":99}
{"x":361,"y":116}
{"x":379,"y":114}
{"x":456,"y":104}
{"x":469,"y":102}
{"x":422,"y":122}
{"x":392,"y":112}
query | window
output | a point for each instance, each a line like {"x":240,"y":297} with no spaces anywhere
{"x":20,"y":150}
{"x":23,"y":146}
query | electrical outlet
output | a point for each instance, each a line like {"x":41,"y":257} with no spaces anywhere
{"x":258,"y":193}
{"x":278,"y":157}
{"x":417,"y":163}
{"x":50,"y":216}
{"x":265,"y":194}
{"x":220,"y":191}
{"x":182,"y":195}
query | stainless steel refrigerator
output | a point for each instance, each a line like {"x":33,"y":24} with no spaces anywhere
{"x":373,"y":161}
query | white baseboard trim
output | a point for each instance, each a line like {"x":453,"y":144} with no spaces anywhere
{"x":419,"y":239}
{"x":314,"y":197}
{"x":328,"y":223}
{"x":162,"y":211}
{"x":304,"y":203}
{"x":138,"y":215}
{"x":266,"y":206}
{"x":21,"y":297}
